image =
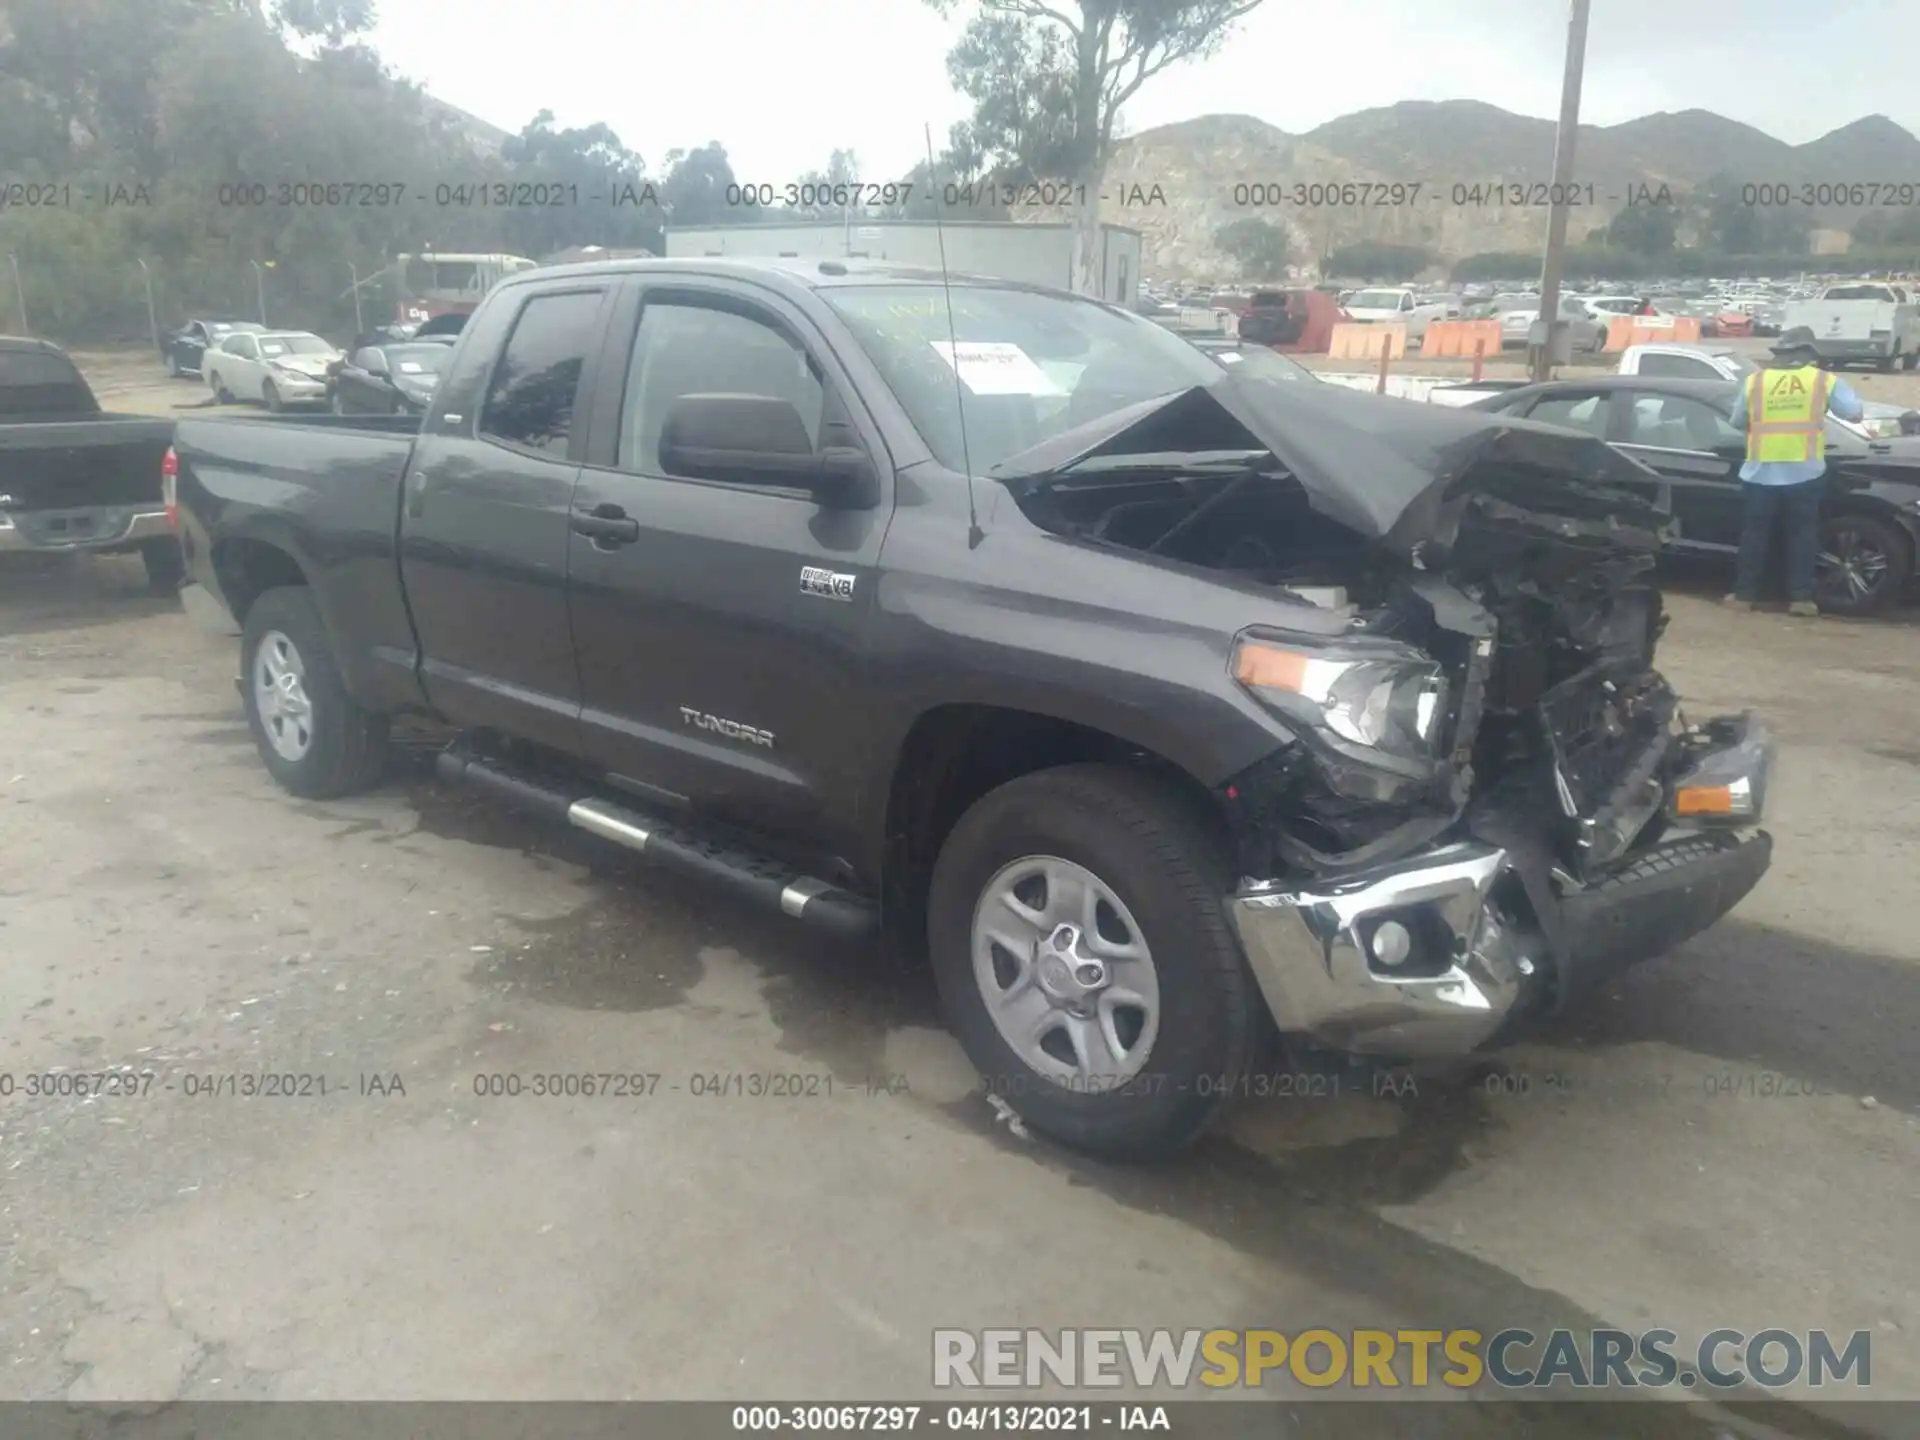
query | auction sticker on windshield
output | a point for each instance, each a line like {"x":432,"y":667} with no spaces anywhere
{"x":994,"y":367}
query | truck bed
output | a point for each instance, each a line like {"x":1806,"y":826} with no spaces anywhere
{"x":324,"y":489}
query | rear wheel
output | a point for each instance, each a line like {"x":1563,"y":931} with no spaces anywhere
{"x":166,"y":566}
{"x":1864,"y":564}
{"x":1084,"y":959}
{"x":314,"y":737}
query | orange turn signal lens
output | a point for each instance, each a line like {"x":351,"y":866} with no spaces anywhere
{"x":1703,"y":800}
{"x":1270,"y":667}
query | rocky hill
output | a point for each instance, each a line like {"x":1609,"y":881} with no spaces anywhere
{"x":1180,"y":183}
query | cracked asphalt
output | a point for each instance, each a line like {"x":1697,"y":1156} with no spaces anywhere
{"x":1727,"y":1138}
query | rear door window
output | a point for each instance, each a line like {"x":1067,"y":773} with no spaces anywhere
{"x":531,"y":397}
{"x":1588,"y":412}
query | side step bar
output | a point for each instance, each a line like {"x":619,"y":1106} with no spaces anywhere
{"x":753,"y":877}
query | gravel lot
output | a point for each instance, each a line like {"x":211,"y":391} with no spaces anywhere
{"x":1730,"y":1138}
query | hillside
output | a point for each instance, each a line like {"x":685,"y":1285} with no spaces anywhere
{"x":1198,"y":163}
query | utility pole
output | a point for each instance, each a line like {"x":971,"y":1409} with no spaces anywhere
{"x":20,"y":294}
{"x":1557,"y":216}
{"x":153,"y":315}
{"x":260,"y":288}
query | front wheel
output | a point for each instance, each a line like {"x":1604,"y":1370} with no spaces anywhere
{"x":271,"y":394}
{"x":1083,"y":956}
{"x":1864,"y":564}
{"x":314,"y":737}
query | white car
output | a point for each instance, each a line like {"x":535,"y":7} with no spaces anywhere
{"x":1397,"y":305}
{"x":278,"y":368}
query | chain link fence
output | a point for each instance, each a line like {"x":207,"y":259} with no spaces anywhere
{"x":123,"y":304}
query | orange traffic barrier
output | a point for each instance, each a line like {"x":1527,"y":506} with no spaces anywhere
{"x":1458,"y":337}
{"x":1625,"y":330}
{"x":1356,"y":341}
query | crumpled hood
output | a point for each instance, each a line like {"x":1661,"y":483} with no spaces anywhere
{"x":314,"y":365}
{"x":1393,"y":471}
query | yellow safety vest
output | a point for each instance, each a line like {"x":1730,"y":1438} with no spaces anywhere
{"x":1787,"y":414}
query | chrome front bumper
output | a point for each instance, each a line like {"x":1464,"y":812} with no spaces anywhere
{"x":1459,"y":965}
{"x":95,"y":528}
{"x":1313,"y":952}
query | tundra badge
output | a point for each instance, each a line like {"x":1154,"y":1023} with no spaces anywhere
{"x":732,"y":729}
{"x":828,"y":584}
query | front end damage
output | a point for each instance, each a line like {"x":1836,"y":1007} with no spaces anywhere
{"x":1491,"y":800}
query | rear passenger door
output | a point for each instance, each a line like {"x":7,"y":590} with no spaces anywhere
{"x":712,"y":678}
{"x":484,"y":525}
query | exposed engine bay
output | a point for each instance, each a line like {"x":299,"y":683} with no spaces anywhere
{"x":1558,"y":733}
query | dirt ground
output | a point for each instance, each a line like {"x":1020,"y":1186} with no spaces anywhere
{"x":1728,"y":1138}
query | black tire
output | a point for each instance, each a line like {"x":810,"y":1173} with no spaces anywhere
{"x":348,"y":749}
{"x":221,"y":394}
{"x":1853,"y":532}
{"x":166,"y":566}
{"x":1158,"y":851}
{"x":270,"y":394}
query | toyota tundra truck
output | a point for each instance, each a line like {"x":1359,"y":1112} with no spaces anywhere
{"x":1168,"y":714}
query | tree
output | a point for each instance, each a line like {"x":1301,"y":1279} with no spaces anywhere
{"x":828,"y":194}
{"x":1258,"y":247}
{"x":1730,"y":222}
{"x":1644,"y":229}
{"x":329,"y":21}
{"x":694,"y":191}
{"x":1084,"y":60}
{"x":604,"y":180}
{"x":1370,"y":260}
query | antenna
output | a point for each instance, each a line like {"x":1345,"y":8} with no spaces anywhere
{"x":974,"y":533}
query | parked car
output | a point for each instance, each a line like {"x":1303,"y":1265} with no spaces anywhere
{"x":1143,"y":695}
{"x":277,"y":368}
{"x":387,"y":379}
{"x":1269,"y":320}
{"x":1683,"y":431}
{"x":74,"y":477}
{"x":1395,"y":305}
{"x":182,"y":349}
{"x":1861,"y":322}
{"x":1589,"y":336}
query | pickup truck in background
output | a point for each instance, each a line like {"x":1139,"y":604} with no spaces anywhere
{"x":1861,"y":323}
{"x":74,"y":477}
{"x":1163,"y":710}
{"x":1398,"y":305}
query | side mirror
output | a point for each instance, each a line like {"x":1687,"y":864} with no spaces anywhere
{"x":377,"y":364}
{"x":761,"y":440}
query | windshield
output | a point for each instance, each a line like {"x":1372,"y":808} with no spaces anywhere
{"x":1032,"y":365}
{"x":1741,"y":364}
{"x":1505,"y":304}
{"x":421,"y":360}
{"x":272,"y":346}
{"x":1859,"y":292}
{"x":1259,"y":363}
{"x":1375,"y":300}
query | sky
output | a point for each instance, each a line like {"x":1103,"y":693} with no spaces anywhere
{"x":781,"y":86}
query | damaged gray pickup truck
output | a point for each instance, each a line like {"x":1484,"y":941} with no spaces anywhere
{"x":1166,"y":708}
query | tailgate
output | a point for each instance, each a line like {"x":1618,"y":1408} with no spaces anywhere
{"x":69,"y":466}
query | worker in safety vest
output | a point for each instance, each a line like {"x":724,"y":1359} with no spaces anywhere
{"x":1784,"y":410}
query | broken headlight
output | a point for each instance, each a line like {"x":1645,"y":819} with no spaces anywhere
{"x":1381,"y":699}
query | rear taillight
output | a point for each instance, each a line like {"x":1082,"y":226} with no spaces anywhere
{"x":170,"y":486}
